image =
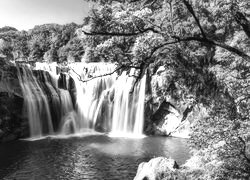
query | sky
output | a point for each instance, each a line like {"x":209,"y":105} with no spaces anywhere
{"x":25,"y":14}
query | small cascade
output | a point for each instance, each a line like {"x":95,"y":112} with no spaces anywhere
{"x":128,"y":110}
{"x":88,"y":93}
{"x":52,"y":68}
{"x":35,"y":104}
{"x":139,"y":119}
{"x":68,"y":123}
{"x":84,"y":97}
{"x":66,"y":102}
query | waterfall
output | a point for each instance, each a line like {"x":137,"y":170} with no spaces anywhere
{"x":35,"y":104}
{"x":83,"y":97}
{"x":128,"y":111}
{"x":88,"y":93}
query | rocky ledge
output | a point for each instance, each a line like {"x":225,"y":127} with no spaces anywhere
{"x":159,"y":168}
{"x":169,"y":109}
{"x":162,"y":168}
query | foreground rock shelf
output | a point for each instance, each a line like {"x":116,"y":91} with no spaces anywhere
{"x":162,"y":168}
{"x":158,"y":168}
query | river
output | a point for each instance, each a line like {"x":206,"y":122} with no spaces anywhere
{"x":93,"y":156}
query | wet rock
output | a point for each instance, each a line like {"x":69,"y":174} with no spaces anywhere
{"x":161,"y":112}
{"x":169,"y":106}
{"x":72,"y":90}
{"x":11,"y":107}
{"x":63,"y":81}
{"x":13,"y":124}
{"x":157,"y":169}
{"x":166,"y":119}
{"x":9,"y":137}
{"x":168,"y":125}
{"x":1,"y":133}
{"x":55,"y":108}
{"x":148,"y":111}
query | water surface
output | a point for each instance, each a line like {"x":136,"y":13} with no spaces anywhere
{"x":90,"y":157}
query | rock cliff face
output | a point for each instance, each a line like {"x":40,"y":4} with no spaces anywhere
{"x":167,"y":110}
{"x":12,"y":123}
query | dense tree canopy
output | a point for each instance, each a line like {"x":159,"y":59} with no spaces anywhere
{"x":204,"y":46}
{"x":49,"y":42}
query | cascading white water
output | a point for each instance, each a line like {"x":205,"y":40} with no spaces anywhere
{"x":35,"y":104}
{"x":66,"y":102}
{"x":128,"y":111}
{"x":51,"y":68}
{"x":139,"y":122}
{"x":96,"y":102}
{"x":67,"y":124}
{"x":88,"y":93}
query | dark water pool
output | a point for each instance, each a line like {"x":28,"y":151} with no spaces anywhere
{"x":90,"y":157}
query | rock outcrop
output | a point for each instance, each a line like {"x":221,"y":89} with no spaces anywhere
{"x":159,"y":168}
{"x":13,"y":124}
{"x":166,"y":119}
{"x":168,"y":112}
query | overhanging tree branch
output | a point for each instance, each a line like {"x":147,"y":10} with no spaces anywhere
{"x":141,"y":31}
{"x":215,"y":43}
{"x":241,"y":19}
{"x":122,"y":67}
{"x":191,"y":10}
{"x":107,"y":74}
{"x":178,"y":39}
{"x":148,"y":60}
{"x":203,"y":40}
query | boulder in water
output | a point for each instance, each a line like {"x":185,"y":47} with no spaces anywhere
{"x":1,"y":133}
{"x":158,"y":168}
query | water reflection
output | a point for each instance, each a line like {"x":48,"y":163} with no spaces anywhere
{"x":91,"y":157}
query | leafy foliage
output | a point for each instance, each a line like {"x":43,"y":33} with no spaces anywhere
{"x":49,"y":42}
{"x":205,"y":47}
